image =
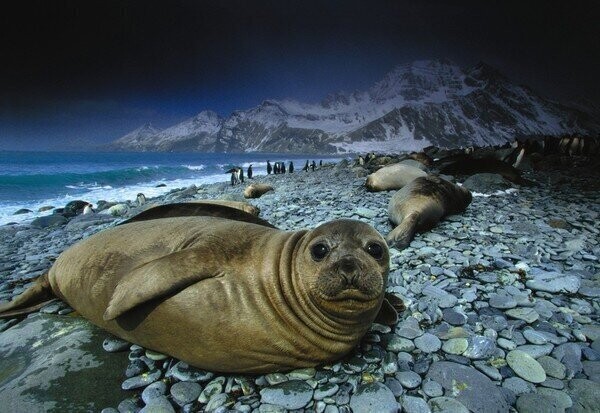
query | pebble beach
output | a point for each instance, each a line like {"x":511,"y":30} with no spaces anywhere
{"x":502,"y":310}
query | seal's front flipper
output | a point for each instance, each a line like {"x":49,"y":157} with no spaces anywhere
{"x":391,"y":306}
{"x":197,"y":209}
{"x":34,"y":298}
{"x":159,"y":278}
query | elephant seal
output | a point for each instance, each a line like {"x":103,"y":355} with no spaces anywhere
{"x":421,"y":204}
{"x":226,"y":295}
{"x":257,"y":190}
{"x":392,"y":177}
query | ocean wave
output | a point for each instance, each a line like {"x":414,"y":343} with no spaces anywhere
{"x":194,"y":167}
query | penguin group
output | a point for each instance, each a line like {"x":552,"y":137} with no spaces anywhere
{"x":237,"y":175}
{"x":312,"y":165}
{"x":279,"y":168}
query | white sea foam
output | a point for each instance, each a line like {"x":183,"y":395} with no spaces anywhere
{"x":96,"y":193}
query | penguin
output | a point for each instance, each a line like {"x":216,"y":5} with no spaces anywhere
{"x":88,"y":209}
{"x":140,"y":199}
{"x":291,"y":167}
{"x":321,"y":163}
{"x":249,"y":171}
{"x":269,"y":168}
{"x":282,"y":167}
{"x":361,"y":160}
{"x":241,"y":171}
{"x":305,"y":166}
{"x":313,"y":165}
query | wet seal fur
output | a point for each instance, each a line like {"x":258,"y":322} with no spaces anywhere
{"x":421,"y":204}
{"x":392,"y":177}
{"x":227,"y":295}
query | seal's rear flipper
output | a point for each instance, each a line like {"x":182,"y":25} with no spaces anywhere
{"x":403,"y":234}
{"x":34,"y":298}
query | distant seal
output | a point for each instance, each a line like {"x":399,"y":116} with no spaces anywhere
{"x":226,"y":295}
{"x":257,"y":190}
{"x":422,"y":157}
{"x":421,"y":204}
{"x":392,"y":177}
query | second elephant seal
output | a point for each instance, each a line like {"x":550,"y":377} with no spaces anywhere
{"x":421,"y":204}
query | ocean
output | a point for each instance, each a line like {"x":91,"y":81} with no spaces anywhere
{"x":32,"y":180}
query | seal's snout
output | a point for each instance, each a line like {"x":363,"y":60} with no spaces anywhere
{"x":349,"y":270}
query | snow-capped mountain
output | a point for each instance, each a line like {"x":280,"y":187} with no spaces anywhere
{"x":415,"y":105}
{"x":138,"y":137}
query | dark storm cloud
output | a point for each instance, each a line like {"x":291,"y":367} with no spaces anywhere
{"x":164,"y":61}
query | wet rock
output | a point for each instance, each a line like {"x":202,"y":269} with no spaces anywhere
{"x":470,"y":387}
{"x":293,"y":394}
{"x":373,"y":397}
{"x":526,"y":366}
{"x":534,"y":403}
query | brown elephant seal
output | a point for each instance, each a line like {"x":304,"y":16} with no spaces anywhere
{"x":257,"y":190}
{"x":227,"y":295}
{"x":241,"y":211}
{"x":392,"y":177}
{"x":421,"y":204}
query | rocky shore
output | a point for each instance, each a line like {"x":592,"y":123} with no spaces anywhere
{"x":503,"y":305}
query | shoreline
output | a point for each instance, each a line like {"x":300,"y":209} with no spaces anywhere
{"x":471,"y":286}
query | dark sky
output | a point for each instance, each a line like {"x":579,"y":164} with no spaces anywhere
{"x":75,"y":73}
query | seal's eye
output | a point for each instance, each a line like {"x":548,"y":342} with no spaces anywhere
{"x":319,"y":251}
{"x":375,"y":250}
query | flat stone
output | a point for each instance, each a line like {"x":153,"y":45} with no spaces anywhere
{"x":428,"y":343}
{"x":503,"y":302}
{"x":455,"y":345}
{"x":534,"y":337}
{"x":432,"y":388}
{"x":554,"y":282}
{"x":446,"y":405}
{"x":563,"y":399}
{"x":536,"y":351}
{"x":411,"y":404}
{"x":293,"y":394}
{"x":409,"y":379}
{"x":185,"y":392}
{"x":525,"y":366}
{"x":528,"y":315}
{"x":553,"y":367}
{"x":479,"y":347}
{"x":409,"y":328}
{"x":398,"y":344}
{"x":453,"y":317}
{"x":585,"y":395}
{"x":54,"y":363}
{"x":535,"y":403}
{"x":373,"y":397}
{"x":470,"y":387}
{"x":518,"y":386}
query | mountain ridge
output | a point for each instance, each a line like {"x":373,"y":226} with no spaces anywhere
{"x":417,"y":104}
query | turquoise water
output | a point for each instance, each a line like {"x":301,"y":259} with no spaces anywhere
{"x":35,"y":179}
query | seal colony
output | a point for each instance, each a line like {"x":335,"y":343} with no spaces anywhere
{"x":191,"y":286}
